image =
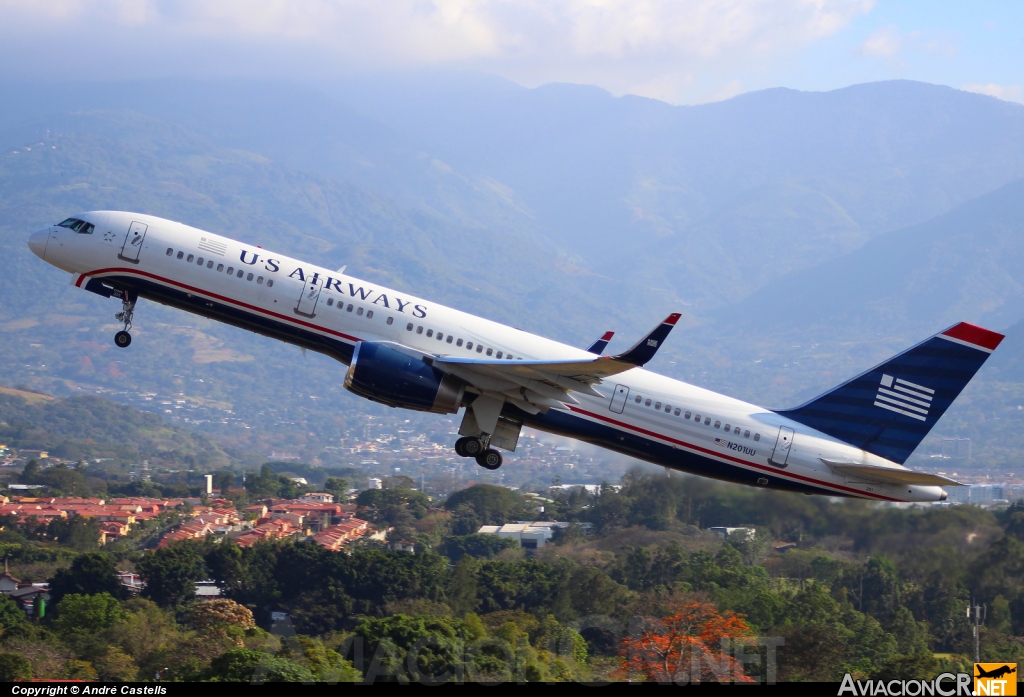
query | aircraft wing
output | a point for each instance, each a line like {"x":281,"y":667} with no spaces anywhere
{"x":889,"y":475}
{"x":547,"y":383}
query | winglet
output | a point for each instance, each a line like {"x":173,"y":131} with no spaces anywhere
{"x":601,"y":344}
{"x":645,"y":349}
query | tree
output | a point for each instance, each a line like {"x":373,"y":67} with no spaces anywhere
{"x":221,"y":612}
{"x":77,"y":532}
{"x":436,"y":644}
{"x":171,"y":574}
{"x":87,"y":614}
{"x":11,"y":615}
{"x":475,"y":545}
{"x":13,"y":667}
{"x":241,"y":665}
{"x":115,"y":666}
{"x":916,"y":666}
{"x":688,"y":639}
{"x":492,"y":504}
{"x":89,"y":574}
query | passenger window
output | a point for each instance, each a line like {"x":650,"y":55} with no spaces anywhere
{"x":209,"y":264}
{"x":391,"y":320}
{"x":498,"y":355}
{"x":638,"y":399}
{"x":259,"y":281}
{"x":330,"y":301}
{"x":240,"y":273}
{"x":686,"y":415}
{"x":408,"y":327}
{"x":249,"y":277}
{"x":757,"y":436}
{"x":190,"y":257}
{"x":199,"y":261}
{"x":349,"y":308}
{"x":230,"y":272}
{"x":727,"y":427}
{"x":430,"y":333}
{"x":440,"y":336}
{"x":220,"y":267}
{"x":459,"y":342}
{"x":736,"y":430}
{"x":707,"y":420}
{"x":450,"y":337}
{"x":359,"y":311}
{"x":697,"y":418}
{"x":181,"y":254}
{"x":170,"y":251}
{"x":657,"y":405}
{"x":746,"y":434}
{"x":490,"y":351}
{"x":508,"y":357}
{"x":647,"y":403}
{"x":668,"y":409}
{"x":677,"y":411}
{"x":469,"y":346}
{"x":369,"y":314}
{"x":419,"y":330}
{"x":479,"y":348}
{"x":270,"y":282}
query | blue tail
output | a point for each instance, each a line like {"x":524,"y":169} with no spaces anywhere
{"x":889,"y":409}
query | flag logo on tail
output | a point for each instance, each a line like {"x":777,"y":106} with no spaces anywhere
{"x":904,"y":397}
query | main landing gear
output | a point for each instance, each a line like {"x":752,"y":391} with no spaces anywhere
{"x":485,"y":456}
{"x":123,"y":339}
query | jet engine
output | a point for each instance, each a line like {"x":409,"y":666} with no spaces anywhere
{"x":396,"y":376}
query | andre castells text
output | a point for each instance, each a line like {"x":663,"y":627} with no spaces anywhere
{"x":55,"y":690}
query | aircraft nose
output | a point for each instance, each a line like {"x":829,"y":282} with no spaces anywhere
{"x":37,"y":242}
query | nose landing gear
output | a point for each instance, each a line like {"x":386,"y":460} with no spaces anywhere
{"x":485,"y":456}
{"x":123,"y":339}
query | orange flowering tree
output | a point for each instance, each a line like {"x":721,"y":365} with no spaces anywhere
{"x":691,"y":644}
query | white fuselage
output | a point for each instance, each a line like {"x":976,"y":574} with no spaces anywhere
{"x":330,"y":311}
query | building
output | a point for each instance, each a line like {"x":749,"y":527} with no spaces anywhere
{"x":529,"y":535}
{"x":736,"y":533}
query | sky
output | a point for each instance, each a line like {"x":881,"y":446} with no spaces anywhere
{"x":679,"y":51}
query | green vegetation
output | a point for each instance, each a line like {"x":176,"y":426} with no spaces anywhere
{"x":875,"y":591}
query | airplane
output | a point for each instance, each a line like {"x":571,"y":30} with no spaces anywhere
{"x":407,"y":352}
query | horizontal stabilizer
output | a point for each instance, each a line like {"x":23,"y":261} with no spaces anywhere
{"x":601,"y":344}
{"x":889,"y":409}
{"x":889,"y":475}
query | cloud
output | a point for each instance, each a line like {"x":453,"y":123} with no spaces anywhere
{"x":890,"y":41}
{"x":1008,"y":93}
{"x":616,"y":43}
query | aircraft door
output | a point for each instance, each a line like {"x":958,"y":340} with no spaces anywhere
{"x":783,"y":445}
{"x":618,"y":402}
{"x":307,"y":301}
{"x":133,"y":242}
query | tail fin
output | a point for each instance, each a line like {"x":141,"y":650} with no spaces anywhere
{"x":889,"y":409}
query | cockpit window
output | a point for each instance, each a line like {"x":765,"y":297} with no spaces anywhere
{"x":86,"y":229}
{"x":71,"y":222}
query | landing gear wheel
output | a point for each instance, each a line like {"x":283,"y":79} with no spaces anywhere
{"x":489,"y":459}
{"x":122,"y":339}
{"x":472,"y":447}
{"x":460,"y":447}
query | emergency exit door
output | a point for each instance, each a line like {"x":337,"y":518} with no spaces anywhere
{"x":619,"y":399}
{"x":133,"y":242}
{"x":308,"y":299}
{"x":783,"y":445}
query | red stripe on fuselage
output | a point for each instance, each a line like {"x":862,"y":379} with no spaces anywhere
{"x":746,"y":463}
{"x":200,"y":291}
